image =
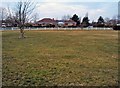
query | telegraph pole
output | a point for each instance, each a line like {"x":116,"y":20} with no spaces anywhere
{"x":119,"y":10}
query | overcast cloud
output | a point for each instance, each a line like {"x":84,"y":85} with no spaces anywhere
{"x":95,"y":9}
{"x":57,"y":8}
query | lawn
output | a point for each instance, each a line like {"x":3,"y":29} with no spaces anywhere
{"x":60,"y":58}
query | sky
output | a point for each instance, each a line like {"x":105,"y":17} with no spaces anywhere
{"x":58,"y":8}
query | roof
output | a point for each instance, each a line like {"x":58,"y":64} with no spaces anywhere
{"x":64,"y":20}
{"x":60,"y":20}
{"x":69,"y":21}
{"x":47,"y":20}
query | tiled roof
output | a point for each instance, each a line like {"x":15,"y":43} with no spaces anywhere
{"x":60,"y":20}
{"x":47,"y":20}
{"x":52,"y":20}
{"x":69,"y":21}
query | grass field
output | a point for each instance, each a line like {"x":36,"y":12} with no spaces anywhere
{"x":60,"y":58}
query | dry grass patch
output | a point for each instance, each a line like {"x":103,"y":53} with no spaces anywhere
{"x":49,"y":58}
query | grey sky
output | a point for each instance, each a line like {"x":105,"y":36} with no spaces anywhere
{"x":57,"y":8}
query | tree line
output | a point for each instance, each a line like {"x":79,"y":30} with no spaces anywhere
{"x":85,"y":22}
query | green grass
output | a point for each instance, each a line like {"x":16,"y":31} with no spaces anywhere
{"x":49,"y":58}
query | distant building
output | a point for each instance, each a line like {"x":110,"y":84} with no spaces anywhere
{"x":66,"y":23}
{"x":2,"y":23}
{"x":7,"y":23}
{"x":69,"y":23}
{"x":47,"y":22}
{"x":60,"y":23}
{"x":113,"y":22}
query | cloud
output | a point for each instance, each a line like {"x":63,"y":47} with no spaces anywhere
{"x":63,"y":0}
{"x":60,"y":0}
{"x":57,"y":10}
{"x":78,"y":0}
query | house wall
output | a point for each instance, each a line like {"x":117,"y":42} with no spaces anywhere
{"x":47,"y":23}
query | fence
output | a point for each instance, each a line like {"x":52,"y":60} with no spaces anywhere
{"x":33,"y":28}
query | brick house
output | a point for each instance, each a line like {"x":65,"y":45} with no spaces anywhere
{"x":69,"y":23}
{"x":47,"y":22}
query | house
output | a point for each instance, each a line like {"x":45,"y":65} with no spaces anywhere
{"x":60,"y":23}
{"x":66,"y":23}
{"x":116,"y":27}
{"x":47,"y":22}
{"x":69,"y":23}
{"x":2,"y":23}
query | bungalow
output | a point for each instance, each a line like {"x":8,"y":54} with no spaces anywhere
{"x":69,"y":23}
{"x":2,"y":23}
{"x":66,"y":23}
{"x":60,"y":23}
{"x":47,"y":22}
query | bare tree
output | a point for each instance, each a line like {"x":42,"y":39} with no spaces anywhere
{"x":10,"y":21}
{"x":3,"y":14}
{"x":66,"y":17}
{"x":35,"y":17}
{"x":107,"y":19}
{"x":115,"y":18}
{"x":22,"y":14}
